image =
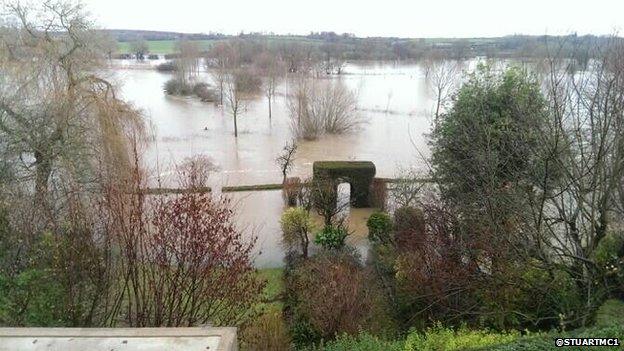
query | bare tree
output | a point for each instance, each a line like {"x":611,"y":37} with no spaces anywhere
{"x":444,"y":76}
{"x":187,"y":64}
{"x":272,"y":70}
{"x":221,"y":59}
{"x":582,"y":146}
{"x":286,"y":159}
{"x":64,"y":134}
{"x":56,"y":111}
{"x":240,"y":85}
{"x":406,"y":190}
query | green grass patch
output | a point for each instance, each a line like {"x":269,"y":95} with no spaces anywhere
{"x":271,"y":295}
{"x":162,"y":47}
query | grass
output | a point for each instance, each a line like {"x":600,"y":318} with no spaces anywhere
{"x":163,"y":47}
{"x":274,"y":288}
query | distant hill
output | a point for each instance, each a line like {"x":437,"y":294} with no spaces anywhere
{"x":350,"y":47}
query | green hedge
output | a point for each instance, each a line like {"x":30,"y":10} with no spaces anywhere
{"x":546,"y":341}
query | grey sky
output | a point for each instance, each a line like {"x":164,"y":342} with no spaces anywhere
{"x":416,"y":18}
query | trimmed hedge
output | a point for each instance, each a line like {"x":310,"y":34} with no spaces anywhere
{"x":359,"y":174}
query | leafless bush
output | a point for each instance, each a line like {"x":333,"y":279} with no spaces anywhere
{"x":183,"y":262}
{"x":318,"y":108}
{"x":407,"y":188}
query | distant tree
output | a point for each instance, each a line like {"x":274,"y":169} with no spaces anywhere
{"x":240,"y":85}
{"x":272,"y":71}
{"x":222,"y":58}
{"x":444,"y":77}
{"x":140,"y":48}
{"x":333,"y":58}
{"x":318,"y":108}
{"x":187,"y":64}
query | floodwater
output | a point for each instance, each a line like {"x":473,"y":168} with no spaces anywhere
{"x":395,"y":100}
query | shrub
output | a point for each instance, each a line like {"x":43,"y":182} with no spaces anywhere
{"x":296,"y":226}
{"x":610,"y":260}
{"x":168,"y":66}
{"x":409,"y":218}
{"x":610,"y":312}
{"x":205,"y":93}
{"x":546,"y":341}
{"x":529,"y":296}
{"x":361,"y":342}
{"x":178,"y":87}
{"x":153,"y":57}
{"x":379,"y":228}
{"x":185,"y":243}
{"x":439,"y":338}
{"x":331,"y":294}
{"x":409,"y":226}
{"x":434,"y":280}
{"x":317,"y":109}
{"x":33,"y":298}
{"x":267,"y":332}
{"x":331,"y":237}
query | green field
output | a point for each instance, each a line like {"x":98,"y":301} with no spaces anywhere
{"x":162,"y":47}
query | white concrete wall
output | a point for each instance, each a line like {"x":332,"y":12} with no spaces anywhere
{"x":118,"y":339}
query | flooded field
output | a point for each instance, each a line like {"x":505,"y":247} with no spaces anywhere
{"x":395,"y":101}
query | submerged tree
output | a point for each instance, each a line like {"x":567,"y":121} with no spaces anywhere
{"x":319,"y":108}
{"x":240,"y":85}
{"x":272,"y":70}
{"x":222,"y":57}
{"x":187,"y":64}
{"x":286,"y":159}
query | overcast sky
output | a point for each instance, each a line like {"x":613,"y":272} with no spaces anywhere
{"x":415,"y":18}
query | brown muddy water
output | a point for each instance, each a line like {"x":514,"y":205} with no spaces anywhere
{"x":395,"y":100}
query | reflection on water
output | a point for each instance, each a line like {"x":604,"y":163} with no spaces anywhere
{"x":395,"y":100}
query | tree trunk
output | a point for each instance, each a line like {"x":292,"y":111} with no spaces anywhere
{"x":43,"y":169}
{"x":235,"y":127}
{"x":269,"y":97}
